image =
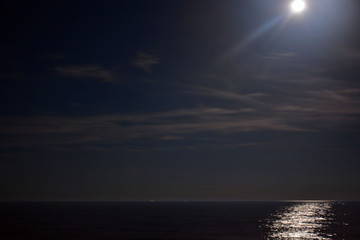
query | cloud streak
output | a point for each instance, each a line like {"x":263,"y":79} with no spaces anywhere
{"x":218,"y":93}
{"x":280,"y":102}
{"x":172,"y":125}
{"x":312,"y":110}
{"x":145,"y":61}
{"x":87,"y":71}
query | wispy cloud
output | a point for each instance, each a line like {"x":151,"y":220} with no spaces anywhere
{"x":350,"y":54}
{"x":219,"y":93}
{"x":325,"y":109}
{"x":171,"y":137}
{"x":282,"y":56}
{"x":172,"y":125}
{"x":145,"y":61}
{"x":304,"y":111}
{"x":87,"y":71}
{"x":289,"y":97}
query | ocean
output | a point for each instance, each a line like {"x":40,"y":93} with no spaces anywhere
{"x":321,"y":220}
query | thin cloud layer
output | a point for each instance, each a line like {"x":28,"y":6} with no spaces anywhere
{"x":145,"y":61}
{"x":218,"y":93}
{"x":87,"y":71}
{"x":122,"y":128}
{"x":282,"y":102}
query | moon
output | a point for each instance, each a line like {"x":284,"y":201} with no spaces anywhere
{"x":298,"y":6}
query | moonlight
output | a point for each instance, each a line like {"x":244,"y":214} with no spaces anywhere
{"x":298,"y":6}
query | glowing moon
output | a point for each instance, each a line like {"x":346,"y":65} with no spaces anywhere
{"x":298,"y":6}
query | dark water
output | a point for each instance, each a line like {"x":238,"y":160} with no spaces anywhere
{"x":180,"y":220}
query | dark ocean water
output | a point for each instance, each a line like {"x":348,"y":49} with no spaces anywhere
{"x":179,"y":220}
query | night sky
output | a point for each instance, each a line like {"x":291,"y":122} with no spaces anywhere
{"x":179,"y":100}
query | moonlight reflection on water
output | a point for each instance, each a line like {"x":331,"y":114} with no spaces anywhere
{"x":306,"y":220}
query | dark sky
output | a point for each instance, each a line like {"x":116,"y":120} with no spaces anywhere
{"x":179,"y":99}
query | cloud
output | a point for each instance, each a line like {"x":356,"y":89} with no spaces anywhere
{"x":218,"y":93}
{"x":279,"y":56}
{"x":350,"y":54}
{"x":287,"y":89}
{"x":306,"y":110}
{"x":118,"y":128}
{"x":212,"y":146}
{"x":87,"y":71}
{"x":171,"y":137}
{"x":324,"y":109}
{"x":145,"y":61}
{"x":279,"y":96}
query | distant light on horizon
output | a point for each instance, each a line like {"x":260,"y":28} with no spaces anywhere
{"x":298,"y":6}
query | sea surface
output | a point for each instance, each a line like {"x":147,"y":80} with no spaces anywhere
{"x":319,"y":220}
